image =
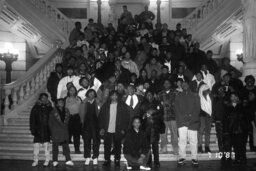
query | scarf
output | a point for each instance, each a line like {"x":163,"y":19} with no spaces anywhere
{"x":206,"y":102}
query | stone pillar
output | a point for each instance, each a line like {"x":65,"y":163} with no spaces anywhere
{"x":99,"y":12}
{"x":249,"y":37}
{"x":158,"y":14}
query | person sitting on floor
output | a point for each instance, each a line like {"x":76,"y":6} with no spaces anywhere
{"x":136,"y":147}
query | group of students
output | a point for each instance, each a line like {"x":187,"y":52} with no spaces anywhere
{"x":129,"y":87}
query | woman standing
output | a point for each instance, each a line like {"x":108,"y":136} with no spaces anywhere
{"x":39,"y":127}
{"x":73,"y":102}
{"x":58,"y":123}
{"x":90,"y":127}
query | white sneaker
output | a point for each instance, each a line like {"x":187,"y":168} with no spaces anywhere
{"x":95,"y":161}
{"x":69,"y":163}
{"x":87,"y":161}
{"x":128,"y":167}
{"x":145,"y":168}
{"x":46,"y":163}
{"x":55,"y":164}
{"x":35,"y":163}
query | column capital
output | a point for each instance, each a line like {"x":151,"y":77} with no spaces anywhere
{"x":99,"y":2}
{"x":158,"y":2}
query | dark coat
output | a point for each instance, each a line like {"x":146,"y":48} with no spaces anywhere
{"x":122,"y":117}
{"x":135,"y":111}
{"x":187,"y":110}
{"x":52,"y":85}
{"x":39,"y":118}
{"x":218,"y":109}
{"x":154,"y":124}
{"x":235,"y":120}
{"x":83,"y":111}
{"x":135,"y":143}
{"x":194,"y":87}
{"x":59,"y":129}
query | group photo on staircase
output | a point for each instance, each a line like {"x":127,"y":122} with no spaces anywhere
{"x":104,"y":85}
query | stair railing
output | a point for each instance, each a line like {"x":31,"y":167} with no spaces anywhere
{"x":54,"y":14}
{"x":16,"y":93}
{"x":200,"y":13}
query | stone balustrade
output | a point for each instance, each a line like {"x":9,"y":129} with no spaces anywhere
{"x":18,"y":92}
{"x":54,"y":14}
{"x":200,"y":13}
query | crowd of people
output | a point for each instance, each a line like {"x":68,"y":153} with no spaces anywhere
{"x":133,"y":85}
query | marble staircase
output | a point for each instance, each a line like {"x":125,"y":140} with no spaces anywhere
{"x":17,"y":143}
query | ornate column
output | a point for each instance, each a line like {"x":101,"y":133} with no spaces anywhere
{"x":249,"y":37}
{"x":158,"y":14}
{"x":99,"y":11}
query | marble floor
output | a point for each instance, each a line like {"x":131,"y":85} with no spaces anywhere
{"x":21,"y":165}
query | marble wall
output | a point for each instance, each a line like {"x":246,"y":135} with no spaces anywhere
{"x":111,"y":9}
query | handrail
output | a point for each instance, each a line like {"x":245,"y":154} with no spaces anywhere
{"x":32,"y":71}
{"x":64,"y":23}
{"x":200,"y":13}
{"x":32,"y":81}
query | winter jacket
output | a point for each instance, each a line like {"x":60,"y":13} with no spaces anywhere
{"x":187,"y":110}
{"x":122,"y":117}
{"x":135,"y":143}
{"x":39,"y":118}
{"x":59,"y":128}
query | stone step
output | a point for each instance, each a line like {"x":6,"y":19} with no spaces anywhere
{"x":24,"y":137}
{"x":29,"y":146}
{"x":27,"y":155}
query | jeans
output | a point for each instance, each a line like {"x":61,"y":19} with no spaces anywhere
{"x":37,"y":149}
{"x":220,"y":136}
{"x":109,"y":139}
{"x":205,"y":128}
{"x":155,"y":151}
{"x":172,"y":125}
{"x":191,"y":135}
{"x":55,"y":150}
{"x":91,"y":134}
{"x":75,"y":130}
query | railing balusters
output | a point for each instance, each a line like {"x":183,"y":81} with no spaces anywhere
{"x":7,"y":101}
{"x":53,"y":14}
{"x":27,"y":92}
{"x":200,"y":13}
{"x":21,"y":94}
{"x":14,"y":99}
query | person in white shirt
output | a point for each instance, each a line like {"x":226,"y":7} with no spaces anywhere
{"x":85,"y":85}
{"x":62,"y":88}
{"x":127,"y":63}
{"x":208,"y":77}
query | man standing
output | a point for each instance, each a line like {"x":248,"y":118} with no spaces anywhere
{"x":53,"y":81}
{"x":187,"y":109}
{"x":114,"y":120}
{"x":75,"y":34}
{"x":166,"y":98}
{"x":70,"y":78}
{"x":147,"y":17}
